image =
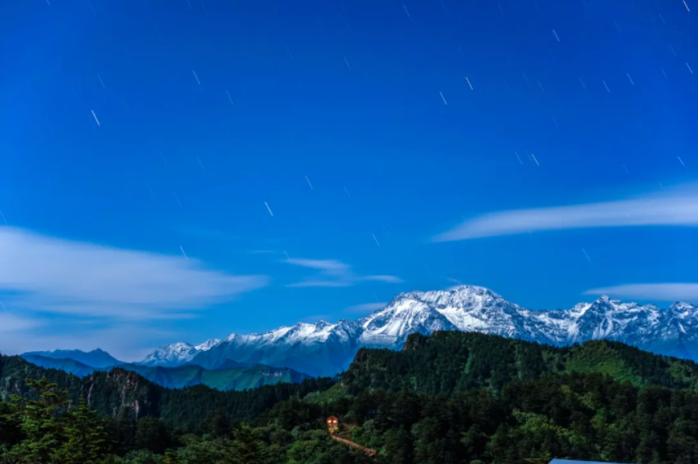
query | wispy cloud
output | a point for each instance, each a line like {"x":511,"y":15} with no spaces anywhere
{"x":365,"y":308}
{"x":669,"y":291}
{"x":675,"y":207}
{"x":10,"y":323}
{"x":321,"y":283}
{"x":334,"y":273}
{"x":386,"y":278}
{"x":61,"y":276}
{"x":327,"y":266}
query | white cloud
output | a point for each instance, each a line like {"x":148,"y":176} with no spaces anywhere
{"x":334,"y":273}
{"x":321,"y":283}
{"x":365,"y":308}
{"x":10,"y":323}
{"x":685,"y":291}
{"x":675,"y":207}
{"x":386,"y":278}
{"x":328,"y":266}
{"x":60,"y":276}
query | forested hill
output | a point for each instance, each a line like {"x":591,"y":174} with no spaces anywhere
{"x":441,"y":364}
{"x":448,"y":362}
{"x":125,"y":394}
{"x":450,"y":398}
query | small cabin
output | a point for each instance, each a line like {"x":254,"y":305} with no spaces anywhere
{"x":333,"y":424}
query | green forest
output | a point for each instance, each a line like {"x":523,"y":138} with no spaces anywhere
{"x":447,"y":398}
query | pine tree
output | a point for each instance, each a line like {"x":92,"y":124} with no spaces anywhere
{"x":85,"y":437}
{"x":40,"y":424}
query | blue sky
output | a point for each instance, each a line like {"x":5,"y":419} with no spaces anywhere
{"x":184,"y":169}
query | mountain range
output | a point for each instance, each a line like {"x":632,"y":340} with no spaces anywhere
{"x":227,"y":376}
{"x":325,"y":348}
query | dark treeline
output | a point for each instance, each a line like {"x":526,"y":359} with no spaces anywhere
{"x":440,"y":400}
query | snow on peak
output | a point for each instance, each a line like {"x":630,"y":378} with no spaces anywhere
{"x":464,"y":307}
{"x":463,"y":295}
{"x":403,"y":316}
{"x":175,"y":353}
{"x":207,"y":344}
{"x":302,"y":332}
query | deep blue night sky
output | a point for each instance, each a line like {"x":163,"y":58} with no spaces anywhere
{"x":184,"y":169}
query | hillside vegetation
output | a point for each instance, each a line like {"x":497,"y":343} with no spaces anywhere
{"x":448,"y":398}
{"x":449,"y":362}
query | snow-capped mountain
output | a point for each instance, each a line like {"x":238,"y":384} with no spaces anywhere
{"x":326,"y":348}
{"x":321,"y":348}
{"x":177,"y":353}
{"x":403,"y":316}
{"x":465,"y":308}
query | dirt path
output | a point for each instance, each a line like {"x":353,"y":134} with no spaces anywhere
{"x":368,"y":451}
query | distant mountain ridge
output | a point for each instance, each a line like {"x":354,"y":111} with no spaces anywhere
{"x":228,"y":376}
{"x":65,"y":364}
{"x":97,"y":358}
{"x":325,"y":348}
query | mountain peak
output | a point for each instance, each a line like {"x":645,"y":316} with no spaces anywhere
{"x":402,"y":317}
{"x":208,"y":344}
{"x":462,"y":291}
{"x":475,"y":289}
{"x":681,"y":305}
{"x":98,"y":351}
{"x":325,"y":348}
{"x":171,"y":355}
